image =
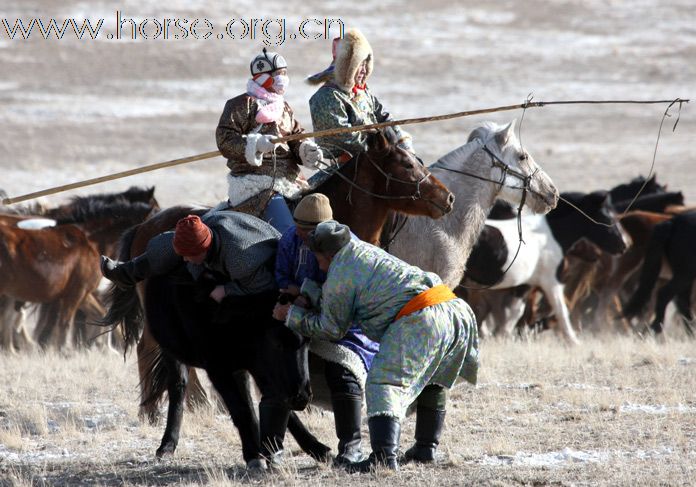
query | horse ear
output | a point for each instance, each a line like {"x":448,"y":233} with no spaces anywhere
{"x":379,"y":141}
{"x":504,"y":135}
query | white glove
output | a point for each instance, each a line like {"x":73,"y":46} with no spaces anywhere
{"x":264,"y":144}
{"x":256,"y":146}
{"x":310,"y":154}
{"x":406,"y":142}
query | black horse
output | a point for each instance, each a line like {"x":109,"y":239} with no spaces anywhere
{"x":656,"y":202}
{"x":628,"y":191}
{"x":227,"y":340}
{"x":673,"y":240}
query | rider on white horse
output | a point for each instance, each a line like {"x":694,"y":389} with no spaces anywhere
{"x":258,"y":167}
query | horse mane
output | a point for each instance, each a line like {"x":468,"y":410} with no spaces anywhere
{"x":33,"y":209}
{"x":85,"y":209}
{"x":483,"y":132}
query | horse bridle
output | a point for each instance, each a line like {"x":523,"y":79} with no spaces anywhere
{"x":389,"y":178}
{"x":526,"y":188}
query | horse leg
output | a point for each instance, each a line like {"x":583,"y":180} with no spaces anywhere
{"x":556,"y":297}
{"x":307,"y":441}
{"x":684,"y":307}
{"x":177,"y":377}
{"x":241,"y":410}
{"x":664,"y":296}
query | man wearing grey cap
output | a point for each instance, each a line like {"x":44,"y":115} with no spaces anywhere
{"x":427,"y":337}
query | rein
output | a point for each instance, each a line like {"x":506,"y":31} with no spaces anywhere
{"x":334,"y":169}
{"x":525,"y":188}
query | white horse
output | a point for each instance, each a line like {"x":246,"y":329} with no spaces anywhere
{"x":491,"y":165}
{"x":547,"y":241}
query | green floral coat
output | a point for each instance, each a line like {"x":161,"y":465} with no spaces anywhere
{"x":368,"y":287}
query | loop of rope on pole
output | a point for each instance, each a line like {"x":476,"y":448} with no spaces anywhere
{"x":329,"y":132}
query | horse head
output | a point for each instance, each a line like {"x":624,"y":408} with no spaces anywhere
{"x":401,"y":179}
{"x":283,"y":357}
{"x":521,"y":179}
{"x":638,"y":186}
{"x":570,"y":225}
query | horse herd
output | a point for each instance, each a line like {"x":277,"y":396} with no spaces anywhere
{"x":485,"y":217}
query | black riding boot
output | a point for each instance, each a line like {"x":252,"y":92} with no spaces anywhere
{"x":429,"y":425}
{"x":273,"y":421}
{"x":384,"y":438}
{"x":430,"y":420}
{"x":125,"y":274}
{"x":347,"y":412}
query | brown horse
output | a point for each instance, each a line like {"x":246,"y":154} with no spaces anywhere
{"x":362,"y":193}
{"x":101,"y":218}
{"x":55,"y":266}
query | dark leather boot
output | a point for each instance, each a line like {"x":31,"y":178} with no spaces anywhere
{"x":125,"y":274}
{"x":384,"y":437}
{"x":347,"y":412}
{"x":273,"y":421}
{"x":429,"y":425}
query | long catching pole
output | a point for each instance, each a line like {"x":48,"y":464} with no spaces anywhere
{"x":325,"y":133}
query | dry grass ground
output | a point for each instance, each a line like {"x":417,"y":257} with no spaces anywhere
{"x":614,"y":411}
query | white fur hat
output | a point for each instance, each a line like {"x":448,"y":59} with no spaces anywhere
{"x":352,"y":50}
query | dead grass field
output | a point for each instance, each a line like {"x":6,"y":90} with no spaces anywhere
{"x":613,"y":411}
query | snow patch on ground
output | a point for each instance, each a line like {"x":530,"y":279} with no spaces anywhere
{"x":570,"y":456}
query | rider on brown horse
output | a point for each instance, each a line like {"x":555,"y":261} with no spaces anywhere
{"x":262,"y":173}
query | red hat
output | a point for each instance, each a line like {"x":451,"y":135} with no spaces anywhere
{"x":192,"y":237}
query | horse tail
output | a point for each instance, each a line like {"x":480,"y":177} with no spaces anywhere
{"x":651,"y":268}
{"x":124,"y":307}
{"x":153,"y":383}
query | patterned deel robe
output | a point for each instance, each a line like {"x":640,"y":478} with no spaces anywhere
{"x":242,"y":253}
{"x":295,"y":262}
{"x":331,"y":107}
{"x":368,"y":287}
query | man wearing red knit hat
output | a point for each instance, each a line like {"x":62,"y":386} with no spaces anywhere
{"x":238,"y":247}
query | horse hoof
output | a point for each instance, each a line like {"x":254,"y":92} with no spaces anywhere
{"x":257,"y":465}
{"x":165,"y":451}
{"x":321,"y":453}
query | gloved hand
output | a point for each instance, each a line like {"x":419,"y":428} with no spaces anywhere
{"x":256,"y":146}
{"x":406,"y":142}
{"x":310,"y":154}
{"x":265,"y":144}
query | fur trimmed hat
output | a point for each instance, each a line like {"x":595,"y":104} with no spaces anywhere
{"x":352,"y":50}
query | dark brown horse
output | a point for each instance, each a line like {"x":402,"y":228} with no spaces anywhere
{"x":382,"y":180}
{"x":101,"y":218}
{"x":362,"y":193}
{"x":55,"y":266}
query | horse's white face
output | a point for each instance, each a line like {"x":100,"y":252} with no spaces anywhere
{"x":542,"y":196}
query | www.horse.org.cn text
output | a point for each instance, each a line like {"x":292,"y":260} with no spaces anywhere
{"x":269,"y":31}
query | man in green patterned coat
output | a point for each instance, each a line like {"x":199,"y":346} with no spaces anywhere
{"x":427,"y":336}
{"x":344,"y":100}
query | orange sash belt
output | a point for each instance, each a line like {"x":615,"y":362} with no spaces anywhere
{"x":429,"y":297}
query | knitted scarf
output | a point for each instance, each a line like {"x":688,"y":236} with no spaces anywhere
{"x":271,"y":105}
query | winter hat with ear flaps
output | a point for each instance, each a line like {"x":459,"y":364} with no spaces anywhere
{"x":267,"y":62}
